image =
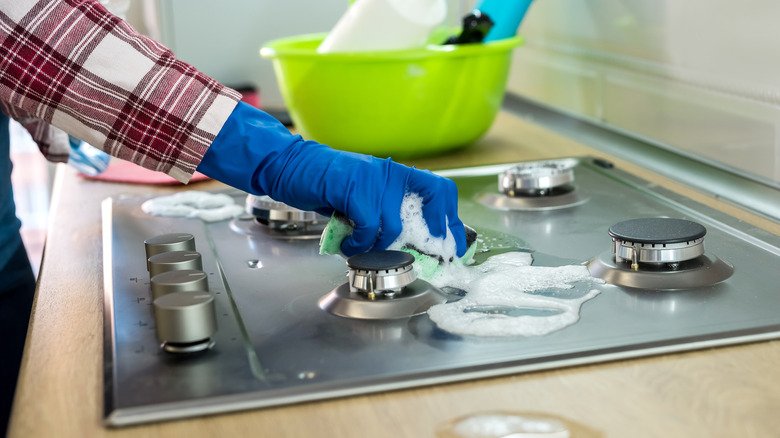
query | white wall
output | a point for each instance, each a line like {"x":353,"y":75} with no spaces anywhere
{"x":222,"y":39}
{"x":699,"y":76}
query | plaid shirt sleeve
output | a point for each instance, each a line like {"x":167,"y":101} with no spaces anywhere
{"x":74,"y":65}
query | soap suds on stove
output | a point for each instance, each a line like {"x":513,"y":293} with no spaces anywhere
{"x":415,"y":234}
{"x":505,"y":283}
{"x":505,"y":295}
{"x":209,"y":207}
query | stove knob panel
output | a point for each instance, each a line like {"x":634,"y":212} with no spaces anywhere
{"x":174,"y":261}
{"x":168,"y":242}
{"x":185,"y":321}
{"x":179,"y":281}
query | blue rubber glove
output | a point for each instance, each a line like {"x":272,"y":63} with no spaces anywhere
{"x":255,"y":153}
{"x":86,"y":158}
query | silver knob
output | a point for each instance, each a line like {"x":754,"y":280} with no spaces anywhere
{"x":168,"y":242}
{"x":179,"y":281}
{"x":174,"y":261}
{"x":185,"y":321}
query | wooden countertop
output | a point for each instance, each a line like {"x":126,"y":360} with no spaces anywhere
{"x":731,"y":391}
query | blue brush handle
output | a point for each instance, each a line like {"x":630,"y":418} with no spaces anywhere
{"x":506,"y":16}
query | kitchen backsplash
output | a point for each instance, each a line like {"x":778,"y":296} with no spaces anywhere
{"x":701,"y":77}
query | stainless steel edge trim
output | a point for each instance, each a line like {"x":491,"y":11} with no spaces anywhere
{"x":177,"y":411}
{"x":741,"y":190}
{"x":108,"y":311}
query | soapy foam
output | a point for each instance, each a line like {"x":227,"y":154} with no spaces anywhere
{"x":502,"y":283}
{"x":209,"y":207}
{"x":415,"y":234}
{"x":507,"y":281}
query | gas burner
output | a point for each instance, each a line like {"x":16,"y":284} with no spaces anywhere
{"x":279,"y":220}
{"x":657,"y":241}
{"x":540,"y":178}
{"x":659,"y":253}
{"x":381,"y":285}
{"x":536,"y":185}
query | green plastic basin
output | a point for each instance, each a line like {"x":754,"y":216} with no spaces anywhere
{"x":405,"y":103}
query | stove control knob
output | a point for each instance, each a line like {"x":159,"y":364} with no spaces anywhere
{"x":174,"y":261}
{"x":185,"y":321}
{"x":168,"y":242}
{"x":179,"y":281}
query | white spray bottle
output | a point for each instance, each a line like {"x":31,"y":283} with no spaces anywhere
{"x":376,"y":25}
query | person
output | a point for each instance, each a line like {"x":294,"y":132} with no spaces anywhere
{"x":69,"y":67}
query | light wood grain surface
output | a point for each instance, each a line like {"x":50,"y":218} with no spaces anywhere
{"x":733,"y":391}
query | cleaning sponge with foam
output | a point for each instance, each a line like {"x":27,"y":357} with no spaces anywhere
{"x":429,"y":252}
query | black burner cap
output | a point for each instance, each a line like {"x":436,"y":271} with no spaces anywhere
{"x":380,"y":260}
{"x":471,"y":235}
{"x":657,"y":230}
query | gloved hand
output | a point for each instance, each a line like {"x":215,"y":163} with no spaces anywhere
{"x":255,"y":153}
{"x":86,"y":158}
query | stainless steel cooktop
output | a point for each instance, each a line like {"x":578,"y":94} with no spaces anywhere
{"x":698,"y":278}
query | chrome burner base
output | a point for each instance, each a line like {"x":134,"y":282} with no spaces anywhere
{"x":671,"y":253}
{"x":499,"y":201}
{"x":416,"y":298}
{"x":190,"y":348}
{"x":249,"y":226}
{"x":699,"y":272}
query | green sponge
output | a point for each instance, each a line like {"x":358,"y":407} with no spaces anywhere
{"x":339,"y":227}
{"x":428,"y":266}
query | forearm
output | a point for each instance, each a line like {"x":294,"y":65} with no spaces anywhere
{"x":76,"y":66}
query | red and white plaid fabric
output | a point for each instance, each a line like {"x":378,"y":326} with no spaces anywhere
{"x":74,"y":65}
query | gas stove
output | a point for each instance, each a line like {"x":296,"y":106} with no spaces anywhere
{"x":203,"y":318}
